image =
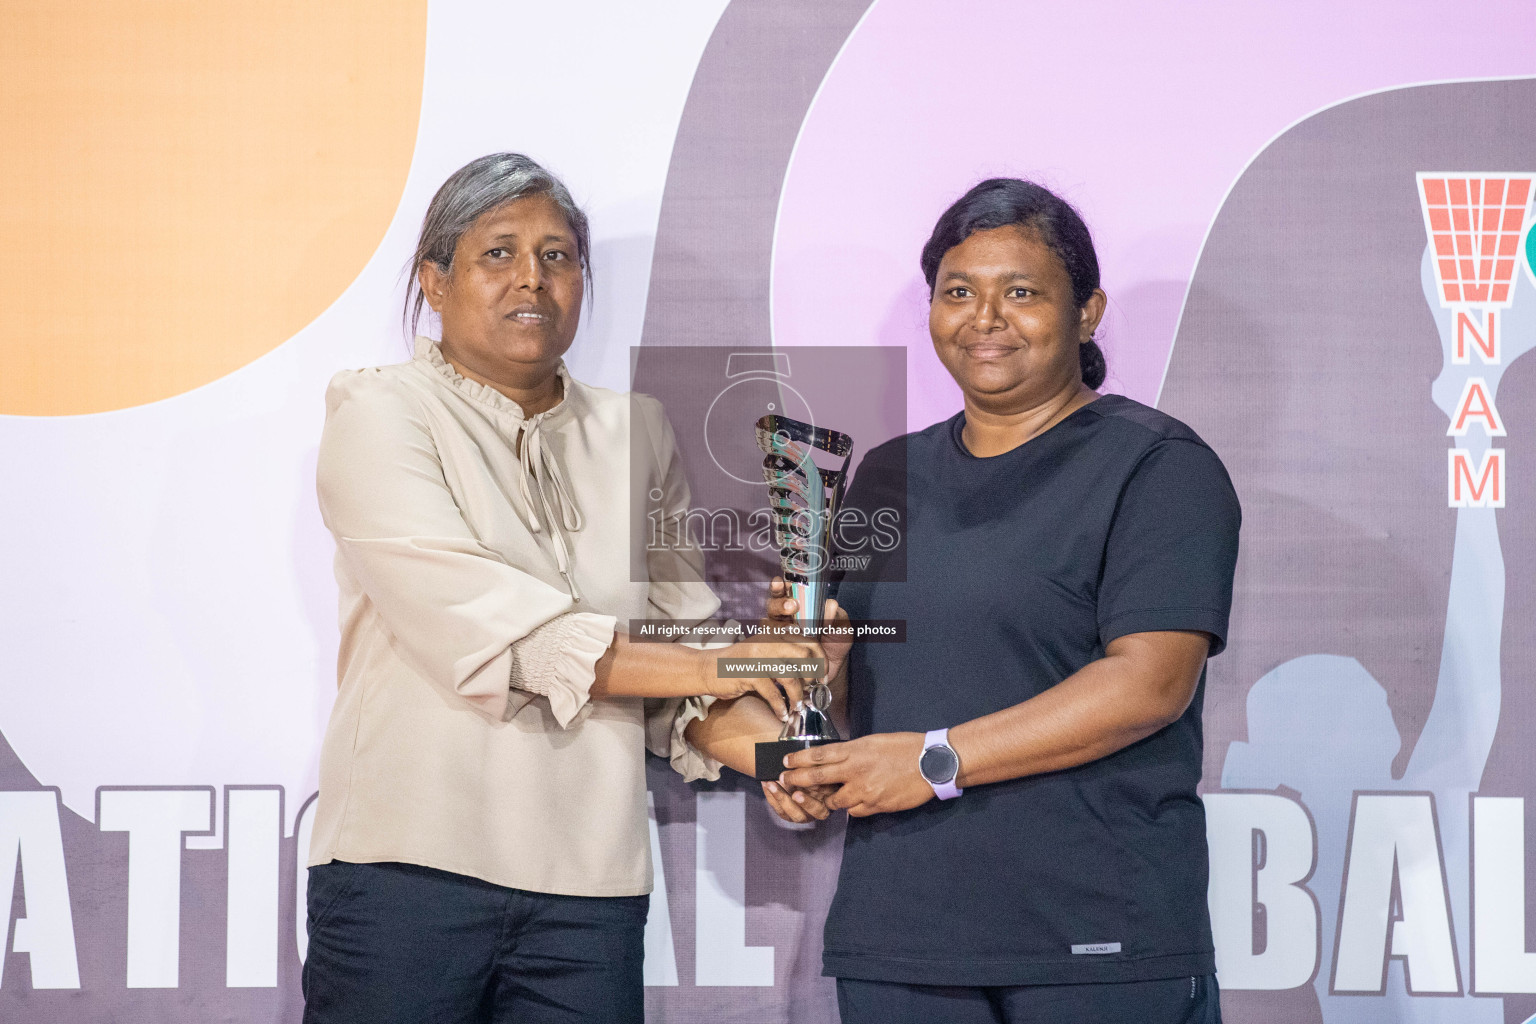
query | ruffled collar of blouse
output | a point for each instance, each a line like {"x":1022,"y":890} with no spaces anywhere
{"x":547,"y":502}
{"x":429,"y":353}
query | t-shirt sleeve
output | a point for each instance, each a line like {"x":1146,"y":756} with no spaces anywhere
{"x":1172,"y":547}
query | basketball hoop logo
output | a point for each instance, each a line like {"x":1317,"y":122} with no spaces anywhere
{"x":1475,"y":222}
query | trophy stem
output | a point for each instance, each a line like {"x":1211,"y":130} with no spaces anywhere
{"x":810,"y":600}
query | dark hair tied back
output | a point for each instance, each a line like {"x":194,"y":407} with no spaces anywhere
{"x":999,"y":202}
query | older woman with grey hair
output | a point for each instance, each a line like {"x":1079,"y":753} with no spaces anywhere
{"x":481,"y":849}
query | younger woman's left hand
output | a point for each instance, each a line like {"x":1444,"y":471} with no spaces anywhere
{"x":877,"y":773}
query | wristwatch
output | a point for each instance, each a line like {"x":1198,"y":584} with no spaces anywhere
{"x":940,"y":764}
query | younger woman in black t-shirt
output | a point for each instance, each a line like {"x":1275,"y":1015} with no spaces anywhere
{"x":1069,"y":563}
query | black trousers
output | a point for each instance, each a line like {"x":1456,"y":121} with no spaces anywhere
{"x":1183,"y":1000}
{"x":400,"y":944}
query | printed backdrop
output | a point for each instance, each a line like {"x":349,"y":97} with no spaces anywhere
{"x":1314,"y":221}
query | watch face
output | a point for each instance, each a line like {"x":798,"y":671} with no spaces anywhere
{"x":939,"y":765}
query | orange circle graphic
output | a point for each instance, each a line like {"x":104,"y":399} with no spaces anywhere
{"x":184,"y":185}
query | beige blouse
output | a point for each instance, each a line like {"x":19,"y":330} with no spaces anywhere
{"x":461,"y":528}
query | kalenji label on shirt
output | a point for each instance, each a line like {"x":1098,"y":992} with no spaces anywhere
{"x":1091,"y":948}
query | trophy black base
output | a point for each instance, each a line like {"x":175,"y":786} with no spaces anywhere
{"x":770,"y":756}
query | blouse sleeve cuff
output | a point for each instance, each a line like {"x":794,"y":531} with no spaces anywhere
{"x":558,"y":661}
{"x":667,"y":722}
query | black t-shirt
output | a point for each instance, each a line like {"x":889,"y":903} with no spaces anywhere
{"x":1019,"y":569}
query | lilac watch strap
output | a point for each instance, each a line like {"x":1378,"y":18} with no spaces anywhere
{"x":942,"y":790}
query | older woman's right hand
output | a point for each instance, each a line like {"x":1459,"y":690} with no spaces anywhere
{"x":781,"y":693}
{"x":798,"y":806}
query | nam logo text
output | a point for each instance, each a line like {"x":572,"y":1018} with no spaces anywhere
{"x":1478,"y":226}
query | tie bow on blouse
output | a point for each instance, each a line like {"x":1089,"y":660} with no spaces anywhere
{"x":545,"y":492}
{"x":542,"y":476}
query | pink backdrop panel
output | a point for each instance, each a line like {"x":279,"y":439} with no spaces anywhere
{"x":1141,"y":115}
